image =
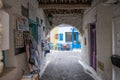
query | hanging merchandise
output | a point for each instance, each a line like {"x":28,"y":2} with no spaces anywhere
{"x":44,"y":28}
{"x":39,"y":34}
{"x":41,"y":22}
{"x":33,"y":30}
{"x":22,"y":23}
{"x":32,"y":60}
{"x":19,"y":42}
{"x":34,"y":56}
{"x":28,"y":55}
{"x":46,"y":48}
{"x":42,"y":45}
{"x":32,"y":11}
{"x":26,"y":37}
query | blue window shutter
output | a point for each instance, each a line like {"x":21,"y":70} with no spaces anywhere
{"x":60,"y":37}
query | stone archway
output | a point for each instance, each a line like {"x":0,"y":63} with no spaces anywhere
{"x":71,"y":19}
{"x":65,"y":30}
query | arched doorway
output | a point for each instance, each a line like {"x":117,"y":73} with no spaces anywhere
{"x":64,"y":37}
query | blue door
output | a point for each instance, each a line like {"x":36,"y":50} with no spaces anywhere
{"x":75,"y":39}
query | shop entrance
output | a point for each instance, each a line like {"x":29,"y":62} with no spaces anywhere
{"x":93,"y":45}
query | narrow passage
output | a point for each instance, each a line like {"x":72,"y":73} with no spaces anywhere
{"x":64,"y":66}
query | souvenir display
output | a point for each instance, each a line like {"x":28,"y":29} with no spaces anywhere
{"x":19,"y":42}
{"x":27,"y":47}
{"x":34,"y":31}
{"x":19,"y":39}
{"x":44,"y":28}
{"x":39,"y":35}
{"x":32,"y":11}
{"x":46,"y":48}
{"x":34,"y":59}
{"x":26,"y":37}
{"x":22,"y":23}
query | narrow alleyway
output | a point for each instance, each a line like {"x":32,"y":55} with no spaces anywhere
{"x":64,"y":66}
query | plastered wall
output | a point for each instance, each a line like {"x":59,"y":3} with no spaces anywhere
{"x":116,"y":30}
{"x":88,"y":17}
{"x":104,"y":41}
{"x":53,"y":37}
{"x":102,"y":16}
{"x":19,"y":61}
{"x":85,"y":47}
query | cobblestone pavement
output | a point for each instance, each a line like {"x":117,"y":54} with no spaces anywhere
{"x":64,"y":66}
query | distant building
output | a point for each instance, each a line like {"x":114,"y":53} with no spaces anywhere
{"x":65,"y":37}
{"x":54,"y":38}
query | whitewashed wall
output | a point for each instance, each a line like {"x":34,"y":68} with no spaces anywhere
{"x":102,"y":16}
{"x":5,"y":22}
{"x":116,"y":32}
{"x":18,"y":61}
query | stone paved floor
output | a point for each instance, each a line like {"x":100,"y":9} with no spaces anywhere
{"x":64,"y":66}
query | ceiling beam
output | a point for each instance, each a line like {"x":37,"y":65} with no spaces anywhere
{"x":64,"y":6}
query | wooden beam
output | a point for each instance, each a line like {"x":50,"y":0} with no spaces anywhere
{"x":63,"y":11}
{"x":64,"y":6}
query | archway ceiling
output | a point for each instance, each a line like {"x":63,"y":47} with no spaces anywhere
{"x":60,"y":8}
{"x":64,"y":6}
{"x":74,"y":20}
{"x":70,"y":19}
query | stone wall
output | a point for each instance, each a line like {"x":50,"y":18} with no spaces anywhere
{"x":70,"y":19}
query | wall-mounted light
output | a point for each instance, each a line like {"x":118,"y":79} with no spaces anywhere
{"x":50,"y":17}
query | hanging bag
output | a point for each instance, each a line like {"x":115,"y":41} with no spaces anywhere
{"x":32,"y":60}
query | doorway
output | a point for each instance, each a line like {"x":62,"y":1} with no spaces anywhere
{"x":93,"y":46}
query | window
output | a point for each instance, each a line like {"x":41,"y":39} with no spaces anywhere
{"x":68,"y":36}
{"x":61,"y":37}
